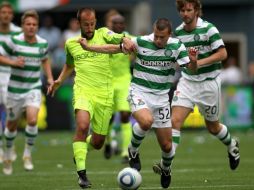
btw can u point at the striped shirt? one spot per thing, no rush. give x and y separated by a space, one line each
24 79
4 69
154 67
206 38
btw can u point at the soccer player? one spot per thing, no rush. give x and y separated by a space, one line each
156 59
24 88
93 90
121 82
7 29
201 88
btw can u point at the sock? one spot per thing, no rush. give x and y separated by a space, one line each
176 135
224 135
126 137
10 137
138 135
31 133
166 159
88 142
80 152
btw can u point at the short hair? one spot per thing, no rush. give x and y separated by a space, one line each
196 4
110 13
84 9
6 4
29 13
162 24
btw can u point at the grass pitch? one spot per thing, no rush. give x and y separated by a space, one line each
201 163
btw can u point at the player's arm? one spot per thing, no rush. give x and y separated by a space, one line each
107 48
47 70
18 62
193 59
219 55
66 71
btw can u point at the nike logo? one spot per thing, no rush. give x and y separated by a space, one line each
145 51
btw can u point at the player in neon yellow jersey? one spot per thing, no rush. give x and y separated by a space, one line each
93 91
121 82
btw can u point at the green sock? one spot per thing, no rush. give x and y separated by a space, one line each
80 152
126 137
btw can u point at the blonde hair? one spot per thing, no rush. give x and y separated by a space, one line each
29 13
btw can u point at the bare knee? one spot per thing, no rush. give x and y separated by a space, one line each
97 141
146 123
166 146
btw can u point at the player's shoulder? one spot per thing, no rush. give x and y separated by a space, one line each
72 40
103 30
41 40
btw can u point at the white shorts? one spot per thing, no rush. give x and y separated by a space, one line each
3 94
15 107
205 94
157 104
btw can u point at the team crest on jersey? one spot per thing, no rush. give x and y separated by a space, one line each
42 50
168 52
196 37
110 32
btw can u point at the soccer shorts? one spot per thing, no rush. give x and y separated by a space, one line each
157 104
100 114
15 107
205 94
3 94
121 91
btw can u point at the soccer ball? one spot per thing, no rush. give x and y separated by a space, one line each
129 179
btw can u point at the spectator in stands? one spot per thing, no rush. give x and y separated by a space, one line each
73 30
231 74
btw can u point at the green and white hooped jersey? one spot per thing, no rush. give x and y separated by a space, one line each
24 79
154 68
4 69
206 38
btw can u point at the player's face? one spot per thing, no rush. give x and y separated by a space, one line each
87 24
188 13
118 26
30 27
161 37
6 15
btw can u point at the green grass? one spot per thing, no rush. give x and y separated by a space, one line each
201 163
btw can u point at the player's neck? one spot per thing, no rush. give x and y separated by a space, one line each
30 39
191 26
4 28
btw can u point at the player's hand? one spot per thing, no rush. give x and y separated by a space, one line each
19 62
53 87
193 54
128 45
83 43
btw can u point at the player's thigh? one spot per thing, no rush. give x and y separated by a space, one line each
101 118
120 97
32 105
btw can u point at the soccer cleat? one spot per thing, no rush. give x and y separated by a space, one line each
107 151
165 175
7 167
28 165
82 180
234 155
134 160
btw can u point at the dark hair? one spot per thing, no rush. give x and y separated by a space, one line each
196 4
84 9
162 23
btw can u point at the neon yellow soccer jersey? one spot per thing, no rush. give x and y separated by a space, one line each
93 70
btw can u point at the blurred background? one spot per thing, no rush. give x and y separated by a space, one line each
233 18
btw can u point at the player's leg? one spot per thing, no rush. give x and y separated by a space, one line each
181 105
80 146
31 132
164 137
108 150
2 110
210 108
